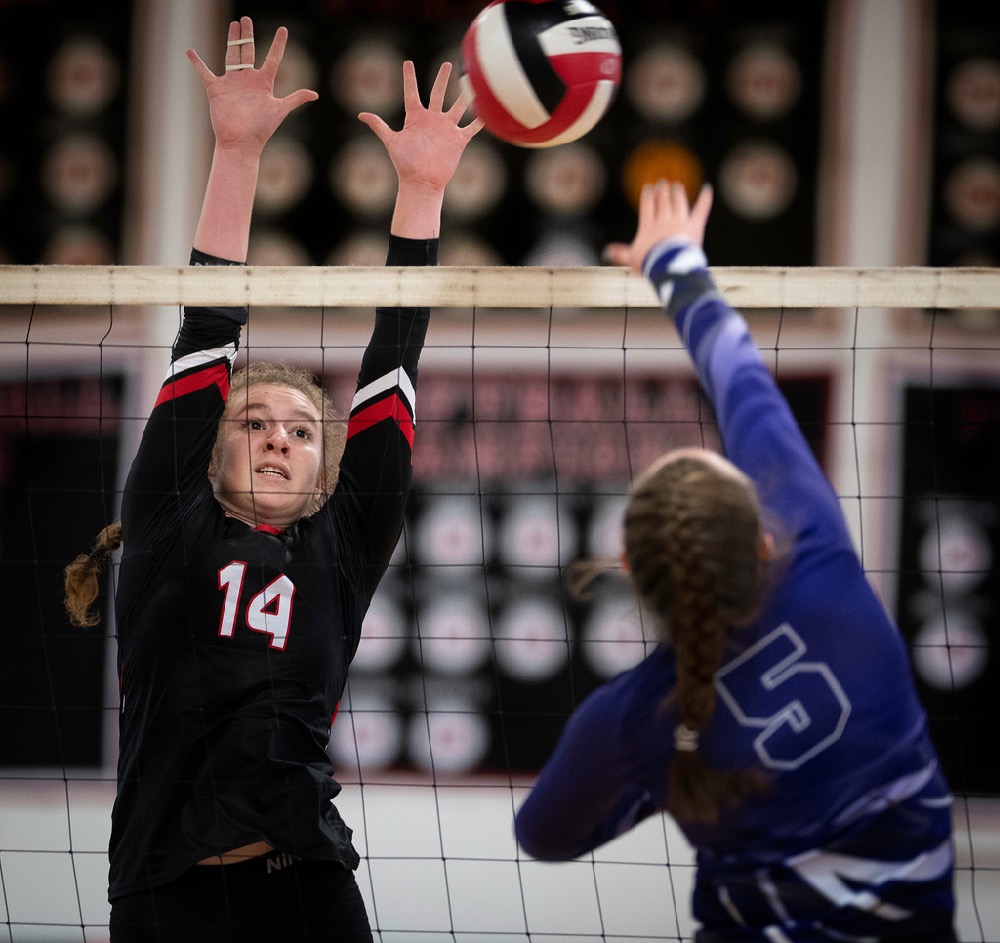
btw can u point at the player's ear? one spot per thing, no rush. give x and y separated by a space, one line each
213 463
215 459
320 489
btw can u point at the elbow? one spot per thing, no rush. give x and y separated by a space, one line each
538 842
538 849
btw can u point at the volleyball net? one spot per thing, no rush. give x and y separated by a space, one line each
542 392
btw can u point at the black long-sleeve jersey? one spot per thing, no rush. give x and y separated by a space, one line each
234 642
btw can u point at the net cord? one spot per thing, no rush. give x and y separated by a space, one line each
490 287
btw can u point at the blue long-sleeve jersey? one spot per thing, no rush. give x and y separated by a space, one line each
852 841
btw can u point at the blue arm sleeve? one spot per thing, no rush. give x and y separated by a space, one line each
583 797
759 433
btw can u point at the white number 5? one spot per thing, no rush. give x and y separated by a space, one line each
799 705
270 611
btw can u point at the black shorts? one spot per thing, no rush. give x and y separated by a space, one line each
271 898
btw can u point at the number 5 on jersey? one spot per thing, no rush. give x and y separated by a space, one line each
798 704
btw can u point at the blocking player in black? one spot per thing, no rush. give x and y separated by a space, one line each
249 557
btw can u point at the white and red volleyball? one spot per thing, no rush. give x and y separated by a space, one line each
540 72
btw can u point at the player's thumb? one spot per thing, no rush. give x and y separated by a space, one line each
303 95
617 253
381 129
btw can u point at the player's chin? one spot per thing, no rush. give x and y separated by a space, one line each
285 504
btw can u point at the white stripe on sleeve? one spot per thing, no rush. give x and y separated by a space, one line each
385 383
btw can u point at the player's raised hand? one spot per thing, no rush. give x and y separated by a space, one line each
427 150
664 213
241 101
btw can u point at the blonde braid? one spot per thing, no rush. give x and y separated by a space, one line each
81 582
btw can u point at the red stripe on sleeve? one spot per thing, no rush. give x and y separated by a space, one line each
392 407
174 389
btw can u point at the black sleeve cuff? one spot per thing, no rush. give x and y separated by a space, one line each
203 258
238 314
403 251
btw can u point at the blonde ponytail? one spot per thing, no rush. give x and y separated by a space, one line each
81 577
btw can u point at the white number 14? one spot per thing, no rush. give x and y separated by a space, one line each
269 612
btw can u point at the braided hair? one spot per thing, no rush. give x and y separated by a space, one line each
693 532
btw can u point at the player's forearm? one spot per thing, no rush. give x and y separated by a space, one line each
224 224
715 335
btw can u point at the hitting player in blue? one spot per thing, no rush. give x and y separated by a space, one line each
777 721
252 542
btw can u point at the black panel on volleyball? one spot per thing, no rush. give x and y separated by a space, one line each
526 21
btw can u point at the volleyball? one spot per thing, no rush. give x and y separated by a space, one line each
540 72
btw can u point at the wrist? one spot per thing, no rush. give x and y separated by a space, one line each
675 255
238 153
417 213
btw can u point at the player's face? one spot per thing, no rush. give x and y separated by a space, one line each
268 460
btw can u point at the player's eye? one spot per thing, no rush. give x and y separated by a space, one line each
254 425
